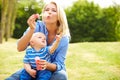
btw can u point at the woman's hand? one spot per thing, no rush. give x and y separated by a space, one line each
42 64
31 20
46 65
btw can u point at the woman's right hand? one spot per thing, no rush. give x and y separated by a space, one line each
31 20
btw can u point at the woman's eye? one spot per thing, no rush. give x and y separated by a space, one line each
39 37
54 10
46 9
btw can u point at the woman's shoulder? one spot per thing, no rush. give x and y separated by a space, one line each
65 40
39 22
40 27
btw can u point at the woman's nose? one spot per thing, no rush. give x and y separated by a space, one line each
49 11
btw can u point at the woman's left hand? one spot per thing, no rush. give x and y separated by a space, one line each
42 64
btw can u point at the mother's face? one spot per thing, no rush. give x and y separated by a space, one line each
50 14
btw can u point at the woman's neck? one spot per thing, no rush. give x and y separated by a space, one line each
52 30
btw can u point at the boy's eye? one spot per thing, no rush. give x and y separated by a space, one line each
39 37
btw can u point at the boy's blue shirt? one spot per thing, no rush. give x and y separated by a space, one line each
31 53
59 56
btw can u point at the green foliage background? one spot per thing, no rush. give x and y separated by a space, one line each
25 10
87 21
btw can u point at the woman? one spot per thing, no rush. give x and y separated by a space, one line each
54 20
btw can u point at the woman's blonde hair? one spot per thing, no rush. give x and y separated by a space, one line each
62 20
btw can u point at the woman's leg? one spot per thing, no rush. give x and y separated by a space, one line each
59 75
15 76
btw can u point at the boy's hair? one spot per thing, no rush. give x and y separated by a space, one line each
36 33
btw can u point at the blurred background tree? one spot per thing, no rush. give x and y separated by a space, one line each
14 15
25 9
8 10
87 21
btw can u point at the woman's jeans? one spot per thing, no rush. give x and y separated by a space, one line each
57 75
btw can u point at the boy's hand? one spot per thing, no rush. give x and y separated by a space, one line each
59 36
32 72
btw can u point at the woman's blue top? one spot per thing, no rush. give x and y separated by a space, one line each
59 56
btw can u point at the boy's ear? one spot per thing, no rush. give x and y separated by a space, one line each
31 42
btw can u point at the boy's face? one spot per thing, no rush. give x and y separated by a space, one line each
38 39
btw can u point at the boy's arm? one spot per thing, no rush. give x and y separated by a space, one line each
55 44
27 67
31 71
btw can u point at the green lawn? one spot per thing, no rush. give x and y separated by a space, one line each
85 61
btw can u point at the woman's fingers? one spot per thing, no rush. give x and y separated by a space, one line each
31 21
43 67
43 64
37 16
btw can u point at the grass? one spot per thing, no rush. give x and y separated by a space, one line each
94 61
10 58
85 61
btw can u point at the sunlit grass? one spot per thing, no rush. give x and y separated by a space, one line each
10 58
94 61
85 61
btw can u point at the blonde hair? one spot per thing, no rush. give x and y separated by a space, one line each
62 20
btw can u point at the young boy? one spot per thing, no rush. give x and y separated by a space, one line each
39 49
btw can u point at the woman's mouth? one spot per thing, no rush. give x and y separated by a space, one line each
48 17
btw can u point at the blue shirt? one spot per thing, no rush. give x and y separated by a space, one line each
31 53
59 56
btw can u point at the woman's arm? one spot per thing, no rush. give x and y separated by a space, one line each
24 40
59 56
51 66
